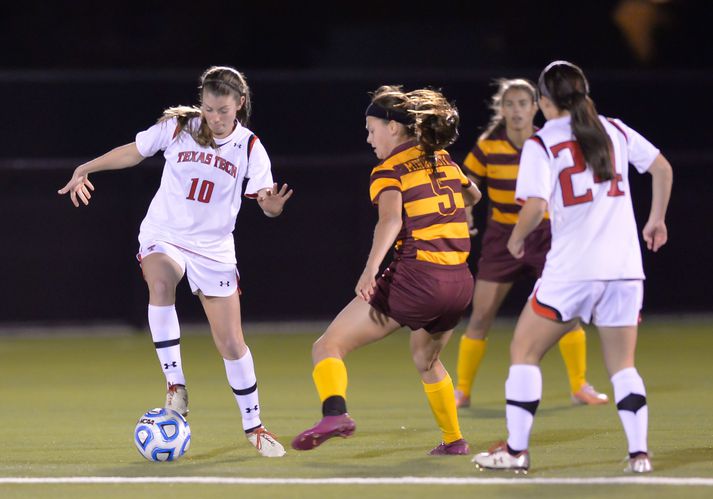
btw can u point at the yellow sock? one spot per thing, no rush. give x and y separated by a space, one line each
330 378
573 347
470 355
443 404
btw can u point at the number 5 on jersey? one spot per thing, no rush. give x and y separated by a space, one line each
204 193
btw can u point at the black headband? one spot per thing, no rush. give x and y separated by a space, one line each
377 111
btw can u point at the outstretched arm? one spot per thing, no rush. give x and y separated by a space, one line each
531 214
79 185
387 228
655 232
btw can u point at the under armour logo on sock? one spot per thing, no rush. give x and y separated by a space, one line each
172 364
227 283
251 409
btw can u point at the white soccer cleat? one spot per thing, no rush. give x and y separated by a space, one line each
461 399
177 399
498 458
265 443
587 395
639 464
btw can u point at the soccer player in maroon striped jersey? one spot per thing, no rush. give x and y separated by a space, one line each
421 195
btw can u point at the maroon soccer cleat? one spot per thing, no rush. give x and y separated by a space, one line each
330 426
457 448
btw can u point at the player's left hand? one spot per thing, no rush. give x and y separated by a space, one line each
272 201
655 234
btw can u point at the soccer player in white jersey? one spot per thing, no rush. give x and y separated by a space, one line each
576 167
189 227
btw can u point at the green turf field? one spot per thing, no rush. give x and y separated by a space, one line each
68 405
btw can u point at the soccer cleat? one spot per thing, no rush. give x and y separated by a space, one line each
639 464
457 448
177 399
461 399
587 395
498 458
330 426
265 442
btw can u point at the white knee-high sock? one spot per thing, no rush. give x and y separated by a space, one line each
630 396
166 335
242 379
523 391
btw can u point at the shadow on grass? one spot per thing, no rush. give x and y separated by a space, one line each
681 457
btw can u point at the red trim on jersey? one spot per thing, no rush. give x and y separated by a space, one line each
176 131
539 140
520 201
618 128
251 196
545 310
251 143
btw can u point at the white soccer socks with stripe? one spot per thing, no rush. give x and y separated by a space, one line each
242 380
166 335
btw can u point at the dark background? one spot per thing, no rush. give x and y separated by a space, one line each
81 78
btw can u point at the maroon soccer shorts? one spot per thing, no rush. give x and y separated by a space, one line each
496 264
424 295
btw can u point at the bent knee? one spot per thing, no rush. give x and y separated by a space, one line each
161 289
326 347
424 362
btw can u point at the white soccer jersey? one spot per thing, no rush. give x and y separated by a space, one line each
199 197
594 234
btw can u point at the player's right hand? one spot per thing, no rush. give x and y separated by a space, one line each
78 186
516 247
366 285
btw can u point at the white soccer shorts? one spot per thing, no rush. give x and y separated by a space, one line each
603 303
210 277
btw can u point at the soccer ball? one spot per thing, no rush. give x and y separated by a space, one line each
162 435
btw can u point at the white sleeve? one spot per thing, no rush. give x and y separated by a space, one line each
157 138
533 176
259 174
641 152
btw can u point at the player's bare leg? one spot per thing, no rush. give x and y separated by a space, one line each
437 383
618 347
162 275
225 324
534 336
358 324
487 298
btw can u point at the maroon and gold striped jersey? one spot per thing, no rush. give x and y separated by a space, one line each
494 162
434 225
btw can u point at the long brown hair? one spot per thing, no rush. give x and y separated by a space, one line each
497 120
567 87
432 120
219 81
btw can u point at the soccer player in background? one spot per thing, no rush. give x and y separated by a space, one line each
421 195
189 229
493 162
577 167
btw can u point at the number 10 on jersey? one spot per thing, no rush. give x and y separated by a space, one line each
204 193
